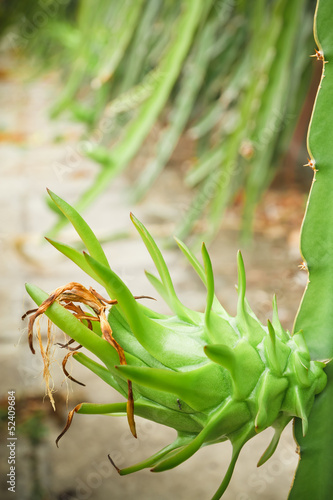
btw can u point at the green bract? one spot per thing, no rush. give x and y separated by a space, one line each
209 375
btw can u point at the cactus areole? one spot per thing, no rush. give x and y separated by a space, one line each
210 376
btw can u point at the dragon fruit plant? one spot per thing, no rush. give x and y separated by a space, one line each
210 376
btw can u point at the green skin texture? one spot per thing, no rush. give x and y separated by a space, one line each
210 376
314 478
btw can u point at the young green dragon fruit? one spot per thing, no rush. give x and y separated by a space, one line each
210 376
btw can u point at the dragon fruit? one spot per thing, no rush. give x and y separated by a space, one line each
210 376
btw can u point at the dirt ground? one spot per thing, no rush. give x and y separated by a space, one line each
31 146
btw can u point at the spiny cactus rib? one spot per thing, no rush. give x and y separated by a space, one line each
314 477
208 375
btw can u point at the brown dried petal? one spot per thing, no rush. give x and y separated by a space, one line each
107 335
69 421
67 296
66 346
42 309
130 409
64 361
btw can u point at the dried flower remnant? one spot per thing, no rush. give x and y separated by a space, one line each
47 358
67 296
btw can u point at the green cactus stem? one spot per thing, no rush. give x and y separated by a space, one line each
210 376
314 477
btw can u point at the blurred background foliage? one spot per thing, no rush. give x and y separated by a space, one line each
230 75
